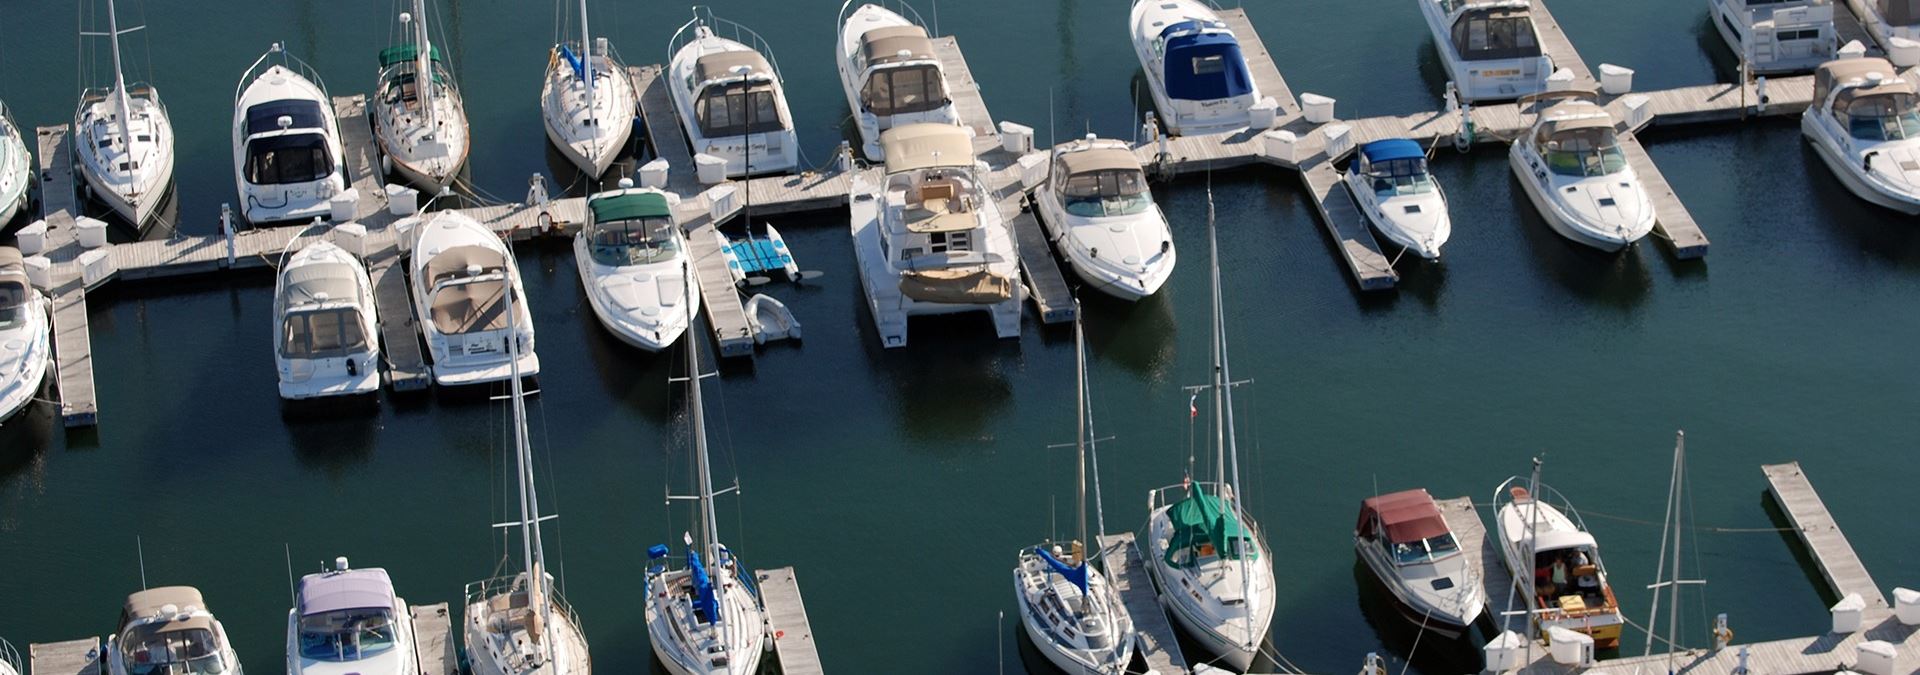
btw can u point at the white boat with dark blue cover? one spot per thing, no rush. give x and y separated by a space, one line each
587 101
470 302
1865 124
1405 541
1101 216
26 337
730 98
1198 77
123 140
889 73
1572 168
349 622
16 167
1777 36
1390 182
326 342
286 142
634 264
1490 48
170 630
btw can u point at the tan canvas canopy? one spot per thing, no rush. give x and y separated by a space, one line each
1835 73
13 268
721 64
454 262
884 45
470 307
926 145
956 286
308 283
149 602
1567 115
1099 159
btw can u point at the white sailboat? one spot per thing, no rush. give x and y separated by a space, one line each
587 101
26 336
16 167
703 616
123 140
422 129
730 97
1066 604
1205 555
349 622
519 624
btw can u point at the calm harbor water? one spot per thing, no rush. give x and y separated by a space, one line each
901 483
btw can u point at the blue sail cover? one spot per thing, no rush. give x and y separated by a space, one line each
1076 575
704 602
1204 66
579 67
1392 149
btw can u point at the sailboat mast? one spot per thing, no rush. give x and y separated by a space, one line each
1673 595
586 69
1223 397
1219 365
531 551
1093 456
709 534
120 97
1080 440
423 63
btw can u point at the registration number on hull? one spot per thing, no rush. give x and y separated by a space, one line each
1503 72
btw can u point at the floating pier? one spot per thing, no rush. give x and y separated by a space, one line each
1839 565
433 640
72 339
1154 639
1476 543
787 619
72 657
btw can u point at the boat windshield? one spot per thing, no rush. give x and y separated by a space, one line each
1588 151
322 333
638 241
1495 33
904 90
1883 117
1108 192
13 304
176 651
737 109
1426 550
293 158
1400 177
347 635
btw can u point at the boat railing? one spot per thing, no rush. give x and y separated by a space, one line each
703 16
285 59
480 591
10 656
896 6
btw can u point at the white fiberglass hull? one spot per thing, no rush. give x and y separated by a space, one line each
741 634
1183 117
890 307
1204 624
589 134
1802 55
25 354
133 194
649 326
1484 79
1135 278
1565 224
1851 174
1071 652
16 171
293 201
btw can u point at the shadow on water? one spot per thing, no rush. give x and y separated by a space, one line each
1423 280
334 444
950 381
1433 70
26 437
1426 651
1137 336
1720 55
1617 280
1801 556
1875 231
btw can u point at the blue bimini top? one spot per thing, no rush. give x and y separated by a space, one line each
1392 149
1204 66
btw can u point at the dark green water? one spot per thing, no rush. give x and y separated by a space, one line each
901 483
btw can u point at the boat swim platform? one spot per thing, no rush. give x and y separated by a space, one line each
433 640
1155 643
787 621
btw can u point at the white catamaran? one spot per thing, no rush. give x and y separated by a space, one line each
418 116
123 141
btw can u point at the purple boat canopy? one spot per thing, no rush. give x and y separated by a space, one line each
351 589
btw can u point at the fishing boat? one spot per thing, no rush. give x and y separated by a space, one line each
587 101
1555 562
26 337
1392 186
1208 563
1409 547
1490 48
703 615
465 287
421 129
286 142
635 267
1101 216
929 237
9 659
1068 607
1865 124
349 621
890 74
1776 36
729 97
123 140
326 342
771 320
519 624
1572 168
1195 71
170 630
16 167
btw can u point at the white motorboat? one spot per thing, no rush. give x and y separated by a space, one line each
123 140
1407 544
327 337
1572 168
1490 48
1865 124
1890 20
930 239
10 659
26 337
1208 562
170 630
704 615
1101 217
771 320
587 101
519 624
729 97
349 622
16 167
1555 562
286 142
422 130
1390 183
1195 71
635 267
1068 607
889 73
465 281
1776 36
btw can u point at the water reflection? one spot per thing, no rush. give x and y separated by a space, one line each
950 383
26 437
1429 652
1879 232
1138 336
332 437
1618 280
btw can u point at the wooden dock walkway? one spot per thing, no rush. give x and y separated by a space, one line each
1839 565
362 156
1672 220
72 657
1554 42
1352 236
72 337
1476 543
787 618
433 640
406 361
965 92
1155 642
1266 74
1046 285
664 135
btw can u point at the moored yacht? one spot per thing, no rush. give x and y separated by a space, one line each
123 141
169 630
1390 182
1101 216
349 622
286 142
1889 19
930 239
16 167
1407 544
1865 124
465 284
1572 168
1555 562
587 101
890 74
418 116
1776 36
1490 48
1195 71
634 264
729 97
326 340
26 337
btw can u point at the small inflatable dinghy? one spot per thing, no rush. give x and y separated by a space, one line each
771 320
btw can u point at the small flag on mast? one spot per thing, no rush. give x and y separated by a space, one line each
1193 409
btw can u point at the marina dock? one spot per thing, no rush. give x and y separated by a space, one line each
1154 640
73 341
433 640
72 657
787 619
1476 543
1834 555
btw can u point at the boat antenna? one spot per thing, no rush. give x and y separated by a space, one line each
287 549
140 549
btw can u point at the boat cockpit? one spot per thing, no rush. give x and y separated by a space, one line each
286 143
1492 32
902 76
637 241
1580 147
1568 579
1100 183
469 290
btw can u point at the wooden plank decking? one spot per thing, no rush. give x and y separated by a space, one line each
719 297
787 618
72 339
1046 286
1477 544
664 135
1841 567
406 362
433 640
1554 41
72 657
1154 641
1266 75
362 156
1673 222
1371 268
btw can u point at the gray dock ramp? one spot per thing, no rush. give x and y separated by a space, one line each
406 362
433 639
1046 285
787 618
1266 74
362 156
1154 639
1671 219
1371 267
72 337
1838 563
72 657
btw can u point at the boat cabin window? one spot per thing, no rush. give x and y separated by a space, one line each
162 651
13 304
1400 177
633 242
470 306
1107 192
1887 116
322 333
1495 34
1422 551
1586 151
737 109
294 158
347 635
904 90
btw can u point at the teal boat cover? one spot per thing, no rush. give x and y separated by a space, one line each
405 53
1203 524
629 206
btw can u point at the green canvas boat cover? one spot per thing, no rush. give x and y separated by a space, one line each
1203 520
629 206
405 53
